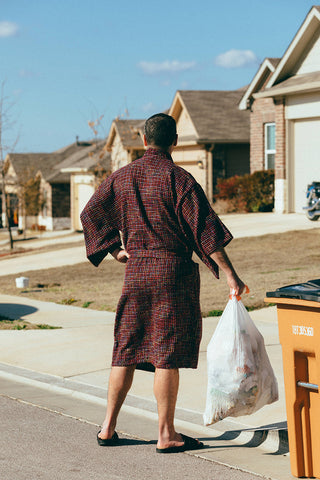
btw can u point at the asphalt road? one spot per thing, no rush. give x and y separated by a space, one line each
36 443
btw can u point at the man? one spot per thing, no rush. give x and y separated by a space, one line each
163 216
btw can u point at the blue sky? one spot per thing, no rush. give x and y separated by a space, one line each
66 62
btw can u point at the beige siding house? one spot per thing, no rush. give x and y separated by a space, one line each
54 188
125 142
284 100
86 168
73 168
213 135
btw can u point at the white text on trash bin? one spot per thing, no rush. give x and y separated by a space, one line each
301 330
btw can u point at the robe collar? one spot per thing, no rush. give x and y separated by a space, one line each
156 152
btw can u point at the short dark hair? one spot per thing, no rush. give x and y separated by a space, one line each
160 130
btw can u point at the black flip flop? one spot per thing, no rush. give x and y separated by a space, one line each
189 444
108 442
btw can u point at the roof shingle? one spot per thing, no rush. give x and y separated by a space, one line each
216 116
50 164
130 132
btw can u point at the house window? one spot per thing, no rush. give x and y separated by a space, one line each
269 145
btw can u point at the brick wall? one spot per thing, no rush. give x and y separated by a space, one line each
280 163
263 111
266 110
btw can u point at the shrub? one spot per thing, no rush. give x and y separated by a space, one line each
250 193
228 187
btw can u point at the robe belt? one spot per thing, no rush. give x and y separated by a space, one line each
159 254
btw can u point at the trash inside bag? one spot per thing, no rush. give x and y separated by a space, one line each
240 377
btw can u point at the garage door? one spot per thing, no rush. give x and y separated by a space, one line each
84 193
306 158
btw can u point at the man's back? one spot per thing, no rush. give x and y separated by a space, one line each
148 193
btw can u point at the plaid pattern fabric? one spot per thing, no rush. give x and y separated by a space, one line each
158 317
163 216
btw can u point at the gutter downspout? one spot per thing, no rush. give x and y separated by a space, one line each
209 171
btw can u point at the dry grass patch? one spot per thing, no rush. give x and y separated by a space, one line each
264 263
7 324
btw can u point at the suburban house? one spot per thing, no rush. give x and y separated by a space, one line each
213 135
284 103
125 142
55 202
54 185
86 169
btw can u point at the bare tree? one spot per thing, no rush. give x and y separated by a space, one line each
30 195
99 153
6 124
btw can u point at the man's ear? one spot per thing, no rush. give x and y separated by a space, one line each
176 141
145 141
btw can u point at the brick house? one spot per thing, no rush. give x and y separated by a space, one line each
284 101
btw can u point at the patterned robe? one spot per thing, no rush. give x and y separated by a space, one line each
163 216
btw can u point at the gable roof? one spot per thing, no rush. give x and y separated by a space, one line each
214 115
297 47
87 158
266 69
307 82
281 76
129 131
49 164
29 164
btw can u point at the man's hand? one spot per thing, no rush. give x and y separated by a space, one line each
236 285
120 255
222 260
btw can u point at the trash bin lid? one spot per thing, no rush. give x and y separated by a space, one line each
304 291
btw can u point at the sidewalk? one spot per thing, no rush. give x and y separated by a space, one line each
33 260
256 224
39 239
76 360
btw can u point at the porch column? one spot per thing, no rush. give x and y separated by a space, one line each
3 208
209 172
280 196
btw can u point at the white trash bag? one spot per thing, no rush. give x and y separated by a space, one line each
240 377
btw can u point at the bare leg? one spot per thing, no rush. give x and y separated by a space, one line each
120 382
166 385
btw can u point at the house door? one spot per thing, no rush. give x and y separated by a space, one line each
306 154
84 193
218 165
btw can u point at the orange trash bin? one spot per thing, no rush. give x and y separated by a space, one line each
298 309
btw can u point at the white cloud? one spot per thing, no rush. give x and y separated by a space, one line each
26 74
148 107
236 59
168 66
8 29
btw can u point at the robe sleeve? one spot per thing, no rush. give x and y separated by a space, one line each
98 220
203 226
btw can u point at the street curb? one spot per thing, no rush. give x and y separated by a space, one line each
270 439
